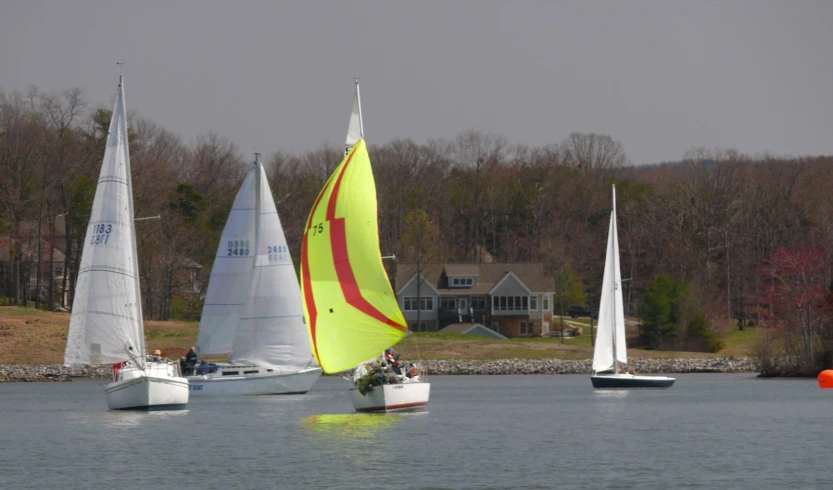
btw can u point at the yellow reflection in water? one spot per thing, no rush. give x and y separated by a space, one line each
350 426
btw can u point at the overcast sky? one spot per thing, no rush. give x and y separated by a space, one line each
659 76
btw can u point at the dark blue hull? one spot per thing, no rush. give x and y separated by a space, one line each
612 381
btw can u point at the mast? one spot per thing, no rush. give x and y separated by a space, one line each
256 248
359 101
138 300
614 284
355 130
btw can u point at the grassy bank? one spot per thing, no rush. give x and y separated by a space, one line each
29 336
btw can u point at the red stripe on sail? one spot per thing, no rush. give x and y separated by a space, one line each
346 277
310 299
331 206
314 207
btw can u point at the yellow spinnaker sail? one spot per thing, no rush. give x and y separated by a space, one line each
351 311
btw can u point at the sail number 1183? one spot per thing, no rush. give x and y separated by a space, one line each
101 234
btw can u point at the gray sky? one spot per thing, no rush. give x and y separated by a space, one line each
659 76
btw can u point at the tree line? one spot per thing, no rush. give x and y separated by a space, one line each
718 221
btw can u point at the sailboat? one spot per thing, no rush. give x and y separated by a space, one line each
611 353
351 311
253 311
106 324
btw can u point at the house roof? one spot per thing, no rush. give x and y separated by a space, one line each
488 274
28 250
468 270
470 329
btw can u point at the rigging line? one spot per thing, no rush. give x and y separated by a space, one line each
416 346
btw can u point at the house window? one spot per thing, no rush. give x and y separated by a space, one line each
447 303
545 302
533 302
478 303
425 303
462 282
418 327
511 303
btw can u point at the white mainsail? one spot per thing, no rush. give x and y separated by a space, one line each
271 331
355 130
106 322
610 338
230 276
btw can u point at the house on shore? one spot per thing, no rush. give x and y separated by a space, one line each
512 299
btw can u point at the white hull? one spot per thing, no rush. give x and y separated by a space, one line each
391 398
218 384
157 388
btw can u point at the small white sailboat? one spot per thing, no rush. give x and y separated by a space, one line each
106 324
253 311
351 310
611 352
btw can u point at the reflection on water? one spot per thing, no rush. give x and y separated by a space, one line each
352 426
610 394
122 419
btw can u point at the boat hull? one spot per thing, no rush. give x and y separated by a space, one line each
216 384
147 392
392 398
624 381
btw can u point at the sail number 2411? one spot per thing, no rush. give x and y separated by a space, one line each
101 234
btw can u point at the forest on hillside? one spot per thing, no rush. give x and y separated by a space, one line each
750 238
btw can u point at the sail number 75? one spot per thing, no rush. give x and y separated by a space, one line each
316 229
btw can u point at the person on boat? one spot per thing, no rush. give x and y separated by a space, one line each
393 360
116 368
191 357
157 355
412 371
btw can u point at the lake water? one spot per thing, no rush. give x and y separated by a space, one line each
495 432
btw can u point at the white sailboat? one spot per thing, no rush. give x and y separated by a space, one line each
106 324
351 310
611 352
253 311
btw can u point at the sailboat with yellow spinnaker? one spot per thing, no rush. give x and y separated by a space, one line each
351 310
349 304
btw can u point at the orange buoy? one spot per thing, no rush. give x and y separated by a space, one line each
826 378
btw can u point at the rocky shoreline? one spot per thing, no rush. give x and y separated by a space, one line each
57 372
561 366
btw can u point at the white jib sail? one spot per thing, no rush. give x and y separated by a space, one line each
355 130
106 321
230 275
271 331
610 338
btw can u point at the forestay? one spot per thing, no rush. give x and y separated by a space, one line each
271 331
610 339
230 275
351 311
106 321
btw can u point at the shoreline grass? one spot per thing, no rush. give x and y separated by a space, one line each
29 336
